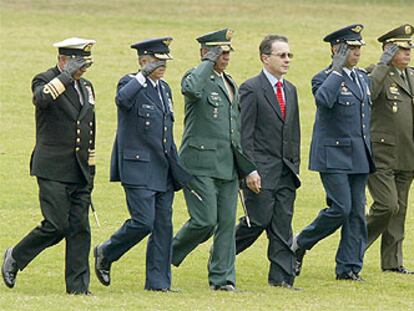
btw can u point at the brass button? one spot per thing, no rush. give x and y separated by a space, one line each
164 140
91 132
365 136
137 156
165 129
202 147
90 123
147 114
78 140
147 123
382 140
78 131
363 115
363 125
77 149
78 122
90 142
337 142
347 103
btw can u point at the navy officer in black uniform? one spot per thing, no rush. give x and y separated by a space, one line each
63 160
341 153
144 160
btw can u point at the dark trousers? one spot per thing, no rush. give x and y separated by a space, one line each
389 190
346 200
151 214
271 211
65 210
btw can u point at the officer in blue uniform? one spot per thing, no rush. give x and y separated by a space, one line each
341 153
144 160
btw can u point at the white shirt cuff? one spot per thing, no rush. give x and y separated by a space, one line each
140 78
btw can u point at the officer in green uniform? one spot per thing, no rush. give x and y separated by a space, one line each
211 151
392 135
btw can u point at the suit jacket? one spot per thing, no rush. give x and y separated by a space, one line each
65 129
144 153
268 140
392 121
211 140
341 138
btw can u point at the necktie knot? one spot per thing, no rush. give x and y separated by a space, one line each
279 84
353 77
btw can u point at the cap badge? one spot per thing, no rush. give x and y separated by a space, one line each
229 34
167 42
408 30
357 29
87 48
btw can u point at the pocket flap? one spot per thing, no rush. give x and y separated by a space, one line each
383 138
136 155
203 143
338 142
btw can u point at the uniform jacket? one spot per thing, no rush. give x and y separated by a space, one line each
341 138
211 141
65 130
267 139
392 121
144 153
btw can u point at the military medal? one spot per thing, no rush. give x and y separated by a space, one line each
394 89
91 99
395 108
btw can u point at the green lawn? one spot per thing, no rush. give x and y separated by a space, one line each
28 29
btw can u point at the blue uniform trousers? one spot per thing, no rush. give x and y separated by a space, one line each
346 200
151 214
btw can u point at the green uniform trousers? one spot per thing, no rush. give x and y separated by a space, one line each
215 214
389 189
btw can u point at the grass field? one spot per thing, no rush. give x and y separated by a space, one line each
28 28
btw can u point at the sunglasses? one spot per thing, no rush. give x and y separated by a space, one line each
282 55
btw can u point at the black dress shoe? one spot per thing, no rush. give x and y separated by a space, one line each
9 268
102 267
401 270
350 276
225 288
285 285
165 290
299 254
84 293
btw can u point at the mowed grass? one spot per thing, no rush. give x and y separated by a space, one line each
28 29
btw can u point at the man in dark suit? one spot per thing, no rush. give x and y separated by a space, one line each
144 160
63 161
341 153
392 131
270 136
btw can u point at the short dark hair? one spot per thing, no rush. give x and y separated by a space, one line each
266 44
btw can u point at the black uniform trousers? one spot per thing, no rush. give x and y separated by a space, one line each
271 211
151 214
65 208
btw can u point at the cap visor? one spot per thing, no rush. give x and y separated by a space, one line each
163 56
355 42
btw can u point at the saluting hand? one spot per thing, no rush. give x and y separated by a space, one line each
388 54
254 182
340 56
213 53
74 64
148 68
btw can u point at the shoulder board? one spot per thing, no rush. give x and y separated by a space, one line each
361 69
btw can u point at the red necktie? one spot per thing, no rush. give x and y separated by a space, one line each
279 95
